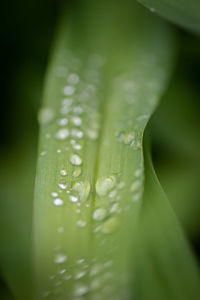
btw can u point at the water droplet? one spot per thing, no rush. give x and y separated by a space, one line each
80 261
77 110
60 229
77 172
62 134
120 136
114 208
77 133
60 258
54 194
76 121
75 160
77 147
46 294
152 9
83 189
63 122
81 223
105 185
67 102
113 194
92 134
136 145
69 90
135 185
80 275
95 284
67 277
63 186
43 153
73 198
129 137
47 135
45 115
95 269
73 78
80 290
136 197
138 172
63 172
108 264
121 185
58 202
62 271
110 225
99 214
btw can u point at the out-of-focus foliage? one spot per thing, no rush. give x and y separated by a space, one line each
175 132
181 12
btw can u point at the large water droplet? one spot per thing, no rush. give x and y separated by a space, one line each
60 258
99 214
73 78
58 202
105 184
62 134
110 225
54 194
76 121
45 115
77 172
76 160
69 90
83 189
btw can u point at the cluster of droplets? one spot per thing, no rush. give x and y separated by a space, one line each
79 106
78 118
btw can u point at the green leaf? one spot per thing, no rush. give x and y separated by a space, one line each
17 186
165 266
176 138
182 12
108 70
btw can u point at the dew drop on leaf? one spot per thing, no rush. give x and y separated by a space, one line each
110 225
75 159
60 258
99 214
58 202
62 134
45 115
105 185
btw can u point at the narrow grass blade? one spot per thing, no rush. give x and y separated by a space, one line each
108 71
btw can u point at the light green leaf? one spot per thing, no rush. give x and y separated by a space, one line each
108 70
